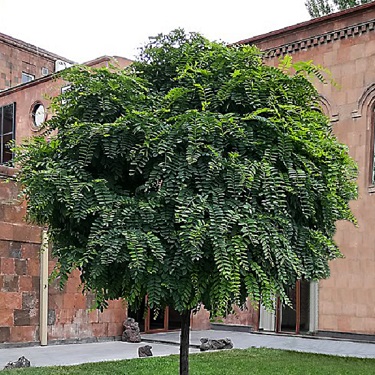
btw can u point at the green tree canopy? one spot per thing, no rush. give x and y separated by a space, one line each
197 175
319 8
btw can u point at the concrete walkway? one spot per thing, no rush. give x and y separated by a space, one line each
72 354
167 343
243 340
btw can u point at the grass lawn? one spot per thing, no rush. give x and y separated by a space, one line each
231 362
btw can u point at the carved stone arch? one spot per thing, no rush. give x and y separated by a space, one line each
328 109
365 109
366 102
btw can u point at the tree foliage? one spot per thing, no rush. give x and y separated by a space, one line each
197 175
319 8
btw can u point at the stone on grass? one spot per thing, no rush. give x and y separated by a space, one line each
21 362
208 344
145 351
131 331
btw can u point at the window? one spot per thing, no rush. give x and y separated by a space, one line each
38 115
26 77
7 131
64 89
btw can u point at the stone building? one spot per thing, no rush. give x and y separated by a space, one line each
22 62
344 304
31 310
343 42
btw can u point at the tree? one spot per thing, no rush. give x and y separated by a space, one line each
319 8
197 176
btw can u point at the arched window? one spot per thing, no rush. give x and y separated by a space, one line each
366 110
372 155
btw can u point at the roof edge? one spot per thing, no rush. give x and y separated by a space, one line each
312 22
55 75
32 48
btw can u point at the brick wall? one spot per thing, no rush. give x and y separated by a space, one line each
17 56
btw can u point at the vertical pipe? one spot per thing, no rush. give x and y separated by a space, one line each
313 307
43 289
298 306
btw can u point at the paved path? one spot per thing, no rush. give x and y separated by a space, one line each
72 354
166 344
244 340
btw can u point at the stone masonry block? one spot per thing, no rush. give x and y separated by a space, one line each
33 267
21 317
51 319
4 249
79 301
68 301
6 317
4 334
10 283
35 283
20 266
15 249
24 334
30 251
100 329
10 300
7 266
30 300
115 329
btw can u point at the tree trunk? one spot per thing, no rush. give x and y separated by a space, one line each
184 343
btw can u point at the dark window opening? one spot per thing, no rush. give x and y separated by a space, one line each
7 132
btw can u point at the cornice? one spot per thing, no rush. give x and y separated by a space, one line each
17 43
321 39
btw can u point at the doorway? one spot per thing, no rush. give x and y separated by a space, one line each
152 320
295 318
300 317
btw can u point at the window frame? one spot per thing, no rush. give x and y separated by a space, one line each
30 77
2 134
371 157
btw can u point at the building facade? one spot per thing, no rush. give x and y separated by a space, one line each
22 62
344 43
31 310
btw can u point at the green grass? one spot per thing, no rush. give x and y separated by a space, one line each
231 362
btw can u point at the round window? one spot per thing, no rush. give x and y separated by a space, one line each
38 115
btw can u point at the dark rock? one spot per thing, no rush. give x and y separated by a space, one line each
145 351
21 362
208 344
131 331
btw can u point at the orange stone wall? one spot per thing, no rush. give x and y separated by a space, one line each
345 44
70 317
69 312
